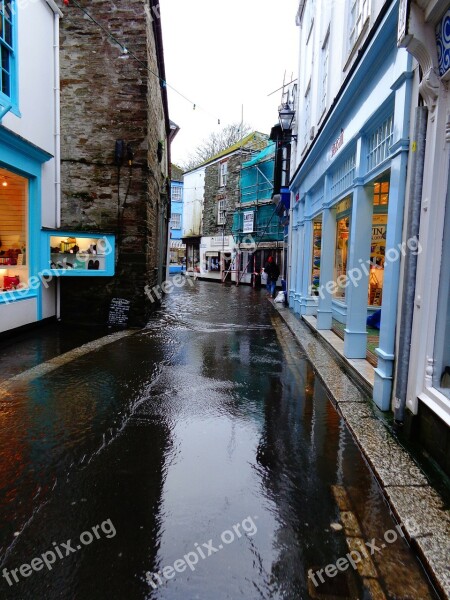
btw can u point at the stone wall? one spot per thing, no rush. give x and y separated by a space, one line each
107 95
214 193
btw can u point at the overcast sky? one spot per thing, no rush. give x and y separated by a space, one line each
221 55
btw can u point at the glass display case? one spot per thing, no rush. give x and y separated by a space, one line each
69 253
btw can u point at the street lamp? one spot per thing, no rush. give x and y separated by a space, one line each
286 116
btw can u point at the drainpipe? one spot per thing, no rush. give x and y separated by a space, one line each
57 143
57 121
409 292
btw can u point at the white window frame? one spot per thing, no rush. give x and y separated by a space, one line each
221 217
175 223
177 194
359 12
307 114
223 173
324 67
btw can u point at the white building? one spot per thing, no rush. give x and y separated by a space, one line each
194 187
369 224
349 180
29 157
423 389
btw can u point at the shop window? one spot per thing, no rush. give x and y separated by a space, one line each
82 253
317 251
378 243
212 262
343 211
13 231
377 254
381 193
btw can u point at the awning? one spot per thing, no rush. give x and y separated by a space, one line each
215 254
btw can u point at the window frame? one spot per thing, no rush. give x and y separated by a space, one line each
357 20
324 68
10 101
178 224
221 220
307 114
223 173
178 197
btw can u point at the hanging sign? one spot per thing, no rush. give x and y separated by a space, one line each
249 219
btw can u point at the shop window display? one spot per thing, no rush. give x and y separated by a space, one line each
343 210
317 250
377 257
78 253
13 231
378 243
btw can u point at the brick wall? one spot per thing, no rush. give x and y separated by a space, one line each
107 96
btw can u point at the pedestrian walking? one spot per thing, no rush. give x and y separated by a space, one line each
273 272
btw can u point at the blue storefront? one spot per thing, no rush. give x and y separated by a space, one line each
348 198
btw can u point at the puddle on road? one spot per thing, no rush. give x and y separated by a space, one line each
203 441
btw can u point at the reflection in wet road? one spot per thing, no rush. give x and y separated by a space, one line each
208 455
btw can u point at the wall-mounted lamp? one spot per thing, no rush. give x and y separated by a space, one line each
286 116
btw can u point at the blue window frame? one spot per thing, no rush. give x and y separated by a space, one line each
8 41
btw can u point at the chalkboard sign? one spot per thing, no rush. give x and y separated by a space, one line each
118 312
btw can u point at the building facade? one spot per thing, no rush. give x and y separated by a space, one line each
29 159
422 394
212 193
176 247
115 147
348 186
257 230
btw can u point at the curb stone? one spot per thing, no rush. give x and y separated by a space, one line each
415 503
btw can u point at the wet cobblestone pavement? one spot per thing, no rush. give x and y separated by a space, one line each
199 458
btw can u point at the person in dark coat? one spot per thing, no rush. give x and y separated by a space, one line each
273 272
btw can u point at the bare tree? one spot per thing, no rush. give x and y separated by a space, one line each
216 142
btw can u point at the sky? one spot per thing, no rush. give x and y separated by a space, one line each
222 55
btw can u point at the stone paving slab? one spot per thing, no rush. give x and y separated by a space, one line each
418 507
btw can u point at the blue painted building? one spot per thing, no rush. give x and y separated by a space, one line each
176 247
256 229
348 191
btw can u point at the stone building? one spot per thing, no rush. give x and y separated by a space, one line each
115 138
221 195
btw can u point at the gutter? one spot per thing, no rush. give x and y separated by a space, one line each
361 52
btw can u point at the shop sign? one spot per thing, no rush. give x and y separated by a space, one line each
443 43
219 241
337 144
249 219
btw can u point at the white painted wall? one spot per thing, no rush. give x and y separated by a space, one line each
194 189
17 314
36 97
317 19
37 124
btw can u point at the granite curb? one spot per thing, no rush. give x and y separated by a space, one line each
414 502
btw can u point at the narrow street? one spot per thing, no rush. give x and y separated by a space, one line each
208 456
